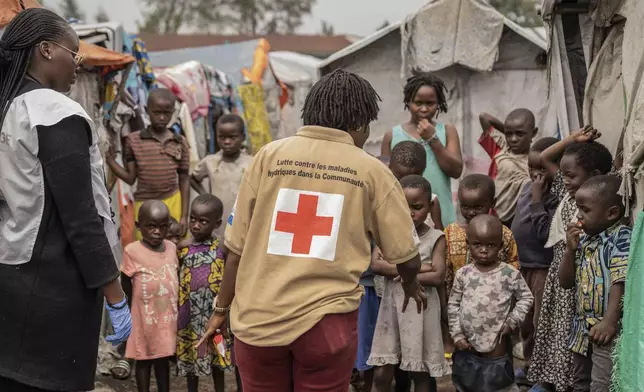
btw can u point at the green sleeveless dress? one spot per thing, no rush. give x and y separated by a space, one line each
441 183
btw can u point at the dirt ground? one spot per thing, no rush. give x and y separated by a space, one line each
108 384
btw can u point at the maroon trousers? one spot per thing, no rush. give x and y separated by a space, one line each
320 360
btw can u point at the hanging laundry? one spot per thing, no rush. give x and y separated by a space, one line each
257 124
189 83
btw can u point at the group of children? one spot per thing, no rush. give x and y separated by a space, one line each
541 254
540 258
173 278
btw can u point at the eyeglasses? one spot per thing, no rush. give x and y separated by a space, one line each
78 57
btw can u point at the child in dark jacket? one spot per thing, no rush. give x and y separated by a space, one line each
534 211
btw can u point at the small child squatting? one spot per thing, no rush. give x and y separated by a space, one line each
594 264
481 317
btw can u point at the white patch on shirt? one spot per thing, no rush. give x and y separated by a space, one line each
305 224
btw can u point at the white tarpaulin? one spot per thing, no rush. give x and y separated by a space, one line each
518 79
448 32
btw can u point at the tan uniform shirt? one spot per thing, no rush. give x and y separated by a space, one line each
301 223
224 177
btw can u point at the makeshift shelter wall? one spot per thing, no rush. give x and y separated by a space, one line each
380 64
298 72
518 79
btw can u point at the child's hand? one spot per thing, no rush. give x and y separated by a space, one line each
572 236
539 188
602 333
586 134
426 129
463 345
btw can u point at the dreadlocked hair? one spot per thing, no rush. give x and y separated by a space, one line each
420 79
341 100
29 28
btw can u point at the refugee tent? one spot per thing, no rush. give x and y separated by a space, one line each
299 72
488 63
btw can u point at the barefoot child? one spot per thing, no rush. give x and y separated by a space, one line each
594 265
580 158
202 266
425 96
158 161
535 208
151 264
481 316
224 169
408 340
508 145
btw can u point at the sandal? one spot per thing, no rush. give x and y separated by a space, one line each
122 370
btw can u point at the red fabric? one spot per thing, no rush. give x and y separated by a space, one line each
320 360
489 145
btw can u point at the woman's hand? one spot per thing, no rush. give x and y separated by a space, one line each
426 129
215 324
414 290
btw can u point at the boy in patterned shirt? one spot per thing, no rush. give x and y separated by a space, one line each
594 264
481 315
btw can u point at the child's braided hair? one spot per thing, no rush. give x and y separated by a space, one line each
420 79
341 100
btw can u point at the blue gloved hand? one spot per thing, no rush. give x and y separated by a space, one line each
121 321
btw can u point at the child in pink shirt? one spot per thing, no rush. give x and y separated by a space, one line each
152 266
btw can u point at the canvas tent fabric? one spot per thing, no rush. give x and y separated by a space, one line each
448 32
299 72
518 79
94 55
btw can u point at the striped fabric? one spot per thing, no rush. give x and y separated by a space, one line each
158 164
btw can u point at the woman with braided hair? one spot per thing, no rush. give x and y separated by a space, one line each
425 96
299 240
57 239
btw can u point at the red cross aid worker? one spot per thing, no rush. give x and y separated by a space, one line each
299 240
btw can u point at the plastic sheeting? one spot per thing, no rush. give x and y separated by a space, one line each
628 374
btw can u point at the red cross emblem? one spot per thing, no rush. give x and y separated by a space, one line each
304 224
